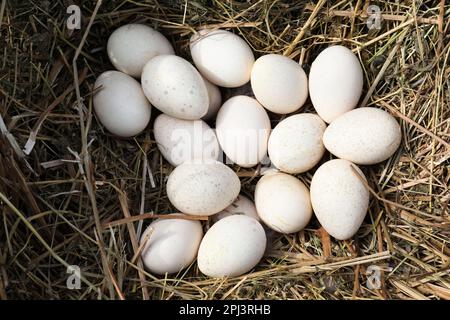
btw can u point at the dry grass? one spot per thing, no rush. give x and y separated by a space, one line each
57 201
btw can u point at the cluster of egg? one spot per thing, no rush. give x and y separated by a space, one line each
188 97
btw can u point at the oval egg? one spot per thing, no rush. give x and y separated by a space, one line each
170 245
120 104
242 205
231 247
364 136
222 57
184 140
295 144
131 46
215 100
202 188
175 87
335 82
279 83
243 129
339 198
282 202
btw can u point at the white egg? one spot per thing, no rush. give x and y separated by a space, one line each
120 104
363 136
335 82
215 100
202 188
339 198
282 202
170 245
231 247
222 57
242 205
243 128
279 83
175 87
183 140
131 46
295 144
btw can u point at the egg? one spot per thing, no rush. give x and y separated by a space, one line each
215 100
170 245
363 136
295 144
120 104
231 247
183 140
339 198
279 83
242 205
243 129
222 57
335 82
175 87
131 46
282 202
202 188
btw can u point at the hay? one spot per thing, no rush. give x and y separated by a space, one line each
57 201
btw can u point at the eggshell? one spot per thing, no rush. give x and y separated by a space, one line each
335 82
175 87
120 104
242 205
171 245
202 188
279 83
282 202
363 136
339 198
231 247
131 46
222 57
295 144
243 128
215 100
184 140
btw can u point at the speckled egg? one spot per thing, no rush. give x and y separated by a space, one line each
363 136
183 140
279 83
120 104
175 87
282 202
243 129
295 144
339 198
242 205
335 82
170 245
231 247
222 57
202 188
131 46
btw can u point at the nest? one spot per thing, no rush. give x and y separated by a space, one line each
71 193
